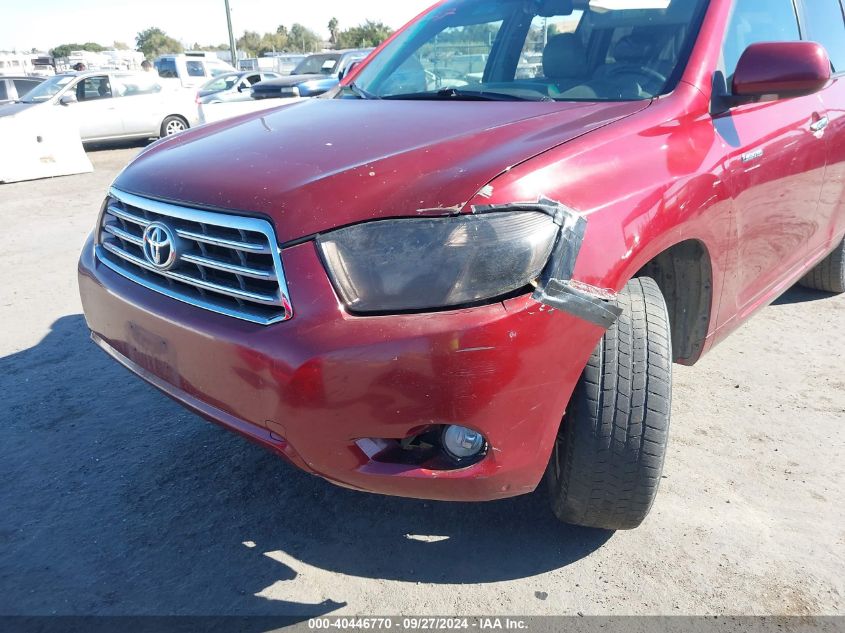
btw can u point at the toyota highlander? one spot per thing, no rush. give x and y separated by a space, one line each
472 265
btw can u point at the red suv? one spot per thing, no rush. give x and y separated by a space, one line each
475 261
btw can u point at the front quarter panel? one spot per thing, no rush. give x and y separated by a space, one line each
645 184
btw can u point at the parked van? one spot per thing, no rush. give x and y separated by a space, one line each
191 69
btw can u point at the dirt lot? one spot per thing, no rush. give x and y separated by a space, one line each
113 500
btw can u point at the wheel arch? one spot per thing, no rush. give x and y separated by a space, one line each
684 274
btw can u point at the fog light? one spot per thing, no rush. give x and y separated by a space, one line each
462 443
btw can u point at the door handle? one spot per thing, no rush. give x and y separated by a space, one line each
821 124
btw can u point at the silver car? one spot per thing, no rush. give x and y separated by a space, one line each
14 88
232 86
113 105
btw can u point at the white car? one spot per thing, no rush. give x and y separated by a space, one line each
192 70
113 105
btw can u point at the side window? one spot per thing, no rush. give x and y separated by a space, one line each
195 69
134 85
756 21
253 79
3 93
93 88
23 86
167 69
825 24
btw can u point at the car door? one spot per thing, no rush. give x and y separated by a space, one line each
96 109
195 73
775 166
139 100
243 91
824 22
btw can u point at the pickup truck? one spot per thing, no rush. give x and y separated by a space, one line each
454 287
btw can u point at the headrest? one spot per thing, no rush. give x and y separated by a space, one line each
639 45
565 57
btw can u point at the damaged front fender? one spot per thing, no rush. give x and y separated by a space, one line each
556 288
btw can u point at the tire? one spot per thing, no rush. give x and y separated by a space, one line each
829 274
173 125
608 459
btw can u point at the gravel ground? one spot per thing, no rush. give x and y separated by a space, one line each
113 500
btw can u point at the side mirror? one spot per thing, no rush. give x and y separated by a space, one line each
780 70
348 70
68 99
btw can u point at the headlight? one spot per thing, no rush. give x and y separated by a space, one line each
429 263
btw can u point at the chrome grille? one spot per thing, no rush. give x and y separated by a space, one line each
226 263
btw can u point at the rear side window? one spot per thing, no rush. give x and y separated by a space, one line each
3 94
825 24
756 21
135 85
167 69
24 85
195 69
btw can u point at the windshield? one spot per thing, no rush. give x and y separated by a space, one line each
48 89
566 50
224 82
317 65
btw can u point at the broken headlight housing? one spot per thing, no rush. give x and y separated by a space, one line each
417 264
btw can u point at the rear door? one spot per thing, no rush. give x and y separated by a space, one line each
139 100
96 110
824 22
195 73
775 166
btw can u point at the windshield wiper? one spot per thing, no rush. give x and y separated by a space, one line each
360 92
471 95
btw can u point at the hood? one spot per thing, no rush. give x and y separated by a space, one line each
323 163
290 80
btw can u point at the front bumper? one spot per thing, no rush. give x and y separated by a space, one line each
312 388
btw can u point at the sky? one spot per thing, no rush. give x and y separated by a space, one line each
43 24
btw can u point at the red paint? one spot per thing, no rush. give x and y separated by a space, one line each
782 68
647 175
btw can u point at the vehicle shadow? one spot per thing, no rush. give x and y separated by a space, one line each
121 502
112 145
800 294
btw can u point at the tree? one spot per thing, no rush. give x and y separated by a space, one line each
334 30
154 42
364 35
121 46
196 46
303 39
64 50
272 43
249 43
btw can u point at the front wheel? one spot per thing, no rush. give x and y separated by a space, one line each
608 457
173 125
